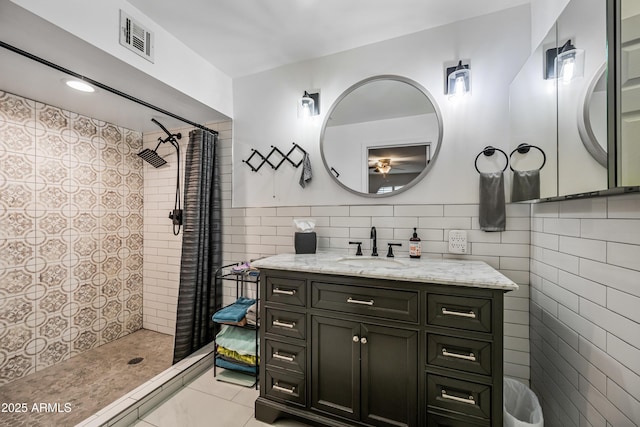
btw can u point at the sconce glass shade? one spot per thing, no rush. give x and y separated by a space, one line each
569 63
564 63
458 80
309 105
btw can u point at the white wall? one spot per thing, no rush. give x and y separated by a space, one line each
543 15
97 22
265 109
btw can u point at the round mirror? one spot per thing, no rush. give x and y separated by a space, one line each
381 136
592 117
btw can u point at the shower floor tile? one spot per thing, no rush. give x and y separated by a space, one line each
86 382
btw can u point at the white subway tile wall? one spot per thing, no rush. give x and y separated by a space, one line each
163 250
585 326
257 232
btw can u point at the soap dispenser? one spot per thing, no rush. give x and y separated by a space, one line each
414 245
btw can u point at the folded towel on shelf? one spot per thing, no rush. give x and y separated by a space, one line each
234 356
306 174
234 361
492 215
220 362
525 185
235 312
252 315
240 340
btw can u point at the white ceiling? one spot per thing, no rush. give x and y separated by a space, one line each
243 37
239 37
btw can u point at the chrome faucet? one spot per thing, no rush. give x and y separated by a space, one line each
374 237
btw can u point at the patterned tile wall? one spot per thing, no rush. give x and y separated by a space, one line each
71 206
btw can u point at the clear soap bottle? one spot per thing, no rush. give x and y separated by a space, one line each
414 245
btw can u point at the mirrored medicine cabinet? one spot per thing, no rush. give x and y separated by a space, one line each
588 126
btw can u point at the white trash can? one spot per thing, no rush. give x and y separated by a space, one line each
520 405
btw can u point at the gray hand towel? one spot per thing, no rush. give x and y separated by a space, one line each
492 209
526 185
306 174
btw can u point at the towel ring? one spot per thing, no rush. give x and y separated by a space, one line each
524 149
490 151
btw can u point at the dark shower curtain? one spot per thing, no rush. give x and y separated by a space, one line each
200 293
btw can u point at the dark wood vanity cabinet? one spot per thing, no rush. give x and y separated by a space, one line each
343 350
351 376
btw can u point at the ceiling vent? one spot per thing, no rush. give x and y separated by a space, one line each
136 37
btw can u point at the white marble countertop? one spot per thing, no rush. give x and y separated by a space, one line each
427 270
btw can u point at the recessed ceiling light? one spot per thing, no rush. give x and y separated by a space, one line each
79 85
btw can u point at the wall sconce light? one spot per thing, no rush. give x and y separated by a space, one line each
458 80
309 105
564 63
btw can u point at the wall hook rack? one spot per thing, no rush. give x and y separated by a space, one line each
275 151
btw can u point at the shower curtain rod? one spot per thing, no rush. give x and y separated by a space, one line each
102 86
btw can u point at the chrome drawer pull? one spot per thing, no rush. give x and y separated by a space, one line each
470 357
287 358
357 301
470 315
468 401
284 291
284 324
287 390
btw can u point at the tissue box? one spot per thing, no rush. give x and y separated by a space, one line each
305 243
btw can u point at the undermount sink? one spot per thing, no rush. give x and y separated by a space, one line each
370 262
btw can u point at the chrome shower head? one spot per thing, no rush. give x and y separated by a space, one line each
151 157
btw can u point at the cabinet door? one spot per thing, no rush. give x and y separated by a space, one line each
335 366
389 370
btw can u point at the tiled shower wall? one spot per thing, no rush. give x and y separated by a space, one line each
258 232
163 250
585 317
70 234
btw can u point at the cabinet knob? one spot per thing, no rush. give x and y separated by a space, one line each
355 338
363 340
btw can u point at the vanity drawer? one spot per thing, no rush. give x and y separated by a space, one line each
436 420
394 304
472 314
285 323
461 354
285 356
286 291
460 396
282 386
